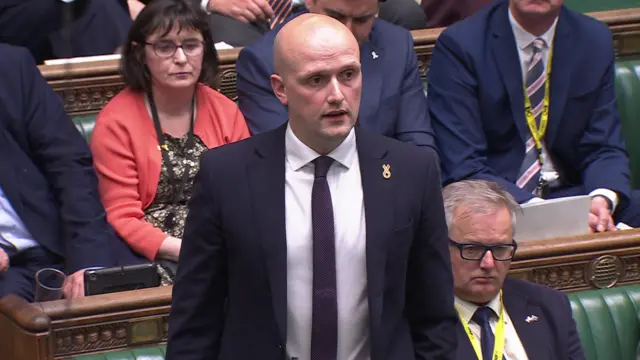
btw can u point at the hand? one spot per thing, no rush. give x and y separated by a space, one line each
4 261
243 10
135 6
74 285
170 249
600 217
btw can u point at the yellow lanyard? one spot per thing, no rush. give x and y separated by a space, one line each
538 132
498 348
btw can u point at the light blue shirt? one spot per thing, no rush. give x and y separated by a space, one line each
13 232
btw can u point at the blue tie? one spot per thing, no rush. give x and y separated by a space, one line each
482 317
324 316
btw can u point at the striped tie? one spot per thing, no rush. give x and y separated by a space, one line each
529 174
281 9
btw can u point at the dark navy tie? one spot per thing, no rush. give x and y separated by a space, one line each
482 317
324 318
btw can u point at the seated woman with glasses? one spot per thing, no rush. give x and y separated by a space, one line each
148 140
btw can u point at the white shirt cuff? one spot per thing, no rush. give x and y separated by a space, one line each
534 200
609 194
204 4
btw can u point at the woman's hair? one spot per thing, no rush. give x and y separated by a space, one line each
164 16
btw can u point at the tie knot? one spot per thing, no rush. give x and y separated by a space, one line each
483 315
538 45
322 164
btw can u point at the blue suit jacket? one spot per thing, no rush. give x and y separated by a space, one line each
47 170
392 103
230 296
476 102
552 337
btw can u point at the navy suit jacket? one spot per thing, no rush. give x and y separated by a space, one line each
47 169
230 297
393 101
476 102
553 336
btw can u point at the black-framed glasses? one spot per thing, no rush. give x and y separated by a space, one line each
167 48
475 252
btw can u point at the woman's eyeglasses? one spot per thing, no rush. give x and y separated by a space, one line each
166 48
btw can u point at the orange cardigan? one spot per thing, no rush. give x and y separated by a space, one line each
128 161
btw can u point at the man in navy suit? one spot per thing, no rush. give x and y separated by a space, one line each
558 138
510 318
393 101
315 240
50 211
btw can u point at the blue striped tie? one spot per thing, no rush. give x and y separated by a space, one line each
529 174
281 9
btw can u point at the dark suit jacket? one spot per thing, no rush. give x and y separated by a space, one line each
393 101
47 170
476 103
230 297
442 13
552 337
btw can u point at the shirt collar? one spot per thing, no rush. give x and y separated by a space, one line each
298 154
524 38
466 309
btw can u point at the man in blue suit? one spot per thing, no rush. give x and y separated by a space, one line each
315 241
501 316
393 101
558 138
50 211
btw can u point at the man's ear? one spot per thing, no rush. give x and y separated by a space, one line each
278 88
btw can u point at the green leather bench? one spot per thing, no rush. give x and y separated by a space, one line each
608 322
150 353
600 5
628 92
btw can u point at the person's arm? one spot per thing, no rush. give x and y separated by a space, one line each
62 154
413 124
429 302
200 290
247 11
455 116
605 162
259 105
119 186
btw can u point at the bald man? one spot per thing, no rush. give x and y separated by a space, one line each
315 241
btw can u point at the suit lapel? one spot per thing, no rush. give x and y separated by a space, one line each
372 60
521 308
505 53
267 178
562 63
379 214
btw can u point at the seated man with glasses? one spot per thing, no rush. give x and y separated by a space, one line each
500 317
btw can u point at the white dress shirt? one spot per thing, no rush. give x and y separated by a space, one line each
524 42
513 349
350 244
13 232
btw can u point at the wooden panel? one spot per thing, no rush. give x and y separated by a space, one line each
580 263
86 87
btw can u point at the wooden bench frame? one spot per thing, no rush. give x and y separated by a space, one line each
60 329
87 87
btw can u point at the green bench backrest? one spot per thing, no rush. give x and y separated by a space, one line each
150 353
600 5
608 322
